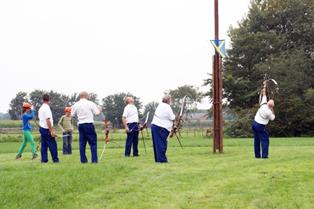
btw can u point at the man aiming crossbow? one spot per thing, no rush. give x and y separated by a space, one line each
161 127
130 121
262 117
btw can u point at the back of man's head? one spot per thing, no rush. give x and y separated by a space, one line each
46 98
129 100
166 99
83 95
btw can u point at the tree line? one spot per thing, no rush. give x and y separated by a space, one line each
112 105
275 38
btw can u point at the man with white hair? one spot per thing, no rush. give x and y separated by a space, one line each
130 122
262 117
85 111
161 127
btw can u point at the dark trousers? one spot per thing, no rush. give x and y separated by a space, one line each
47 141
88 134
67 143
132 139
159 136
261 139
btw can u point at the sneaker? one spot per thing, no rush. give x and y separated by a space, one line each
34 156
18 157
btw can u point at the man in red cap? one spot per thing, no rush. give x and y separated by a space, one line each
27 114
66 125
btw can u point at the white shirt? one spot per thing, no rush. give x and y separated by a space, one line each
130 113
164 116
85 111
44 113
264 113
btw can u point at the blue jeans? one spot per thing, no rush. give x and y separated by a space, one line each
132 139
159 136
87 134
67 142
47 141
261 139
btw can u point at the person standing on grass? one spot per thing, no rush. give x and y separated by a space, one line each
47 132
161 127
130 122
85 111
66 125
27 114
264 114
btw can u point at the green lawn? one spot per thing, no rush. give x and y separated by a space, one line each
193 178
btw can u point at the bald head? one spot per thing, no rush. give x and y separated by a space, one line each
166 99
129 100
83 95
271 103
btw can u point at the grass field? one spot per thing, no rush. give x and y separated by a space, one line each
193 178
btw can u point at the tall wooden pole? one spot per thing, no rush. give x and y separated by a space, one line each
217 92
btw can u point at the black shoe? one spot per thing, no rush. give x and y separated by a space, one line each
18 157
34 156
136 155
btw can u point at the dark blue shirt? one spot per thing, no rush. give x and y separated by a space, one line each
26 117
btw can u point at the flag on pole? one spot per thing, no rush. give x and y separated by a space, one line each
219 46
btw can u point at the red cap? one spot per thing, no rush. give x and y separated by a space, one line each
27 105
68 109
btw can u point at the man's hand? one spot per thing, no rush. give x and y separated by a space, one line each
142 126
264 84
127 130
53 133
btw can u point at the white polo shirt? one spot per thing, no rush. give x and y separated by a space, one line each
164 116
130 113
264 113
85 111
44 113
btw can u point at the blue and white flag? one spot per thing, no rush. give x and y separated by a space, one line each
220 47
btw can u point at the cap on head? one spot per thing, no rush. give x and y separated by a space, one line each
67 109
46 98
271 103
166 99
27 105
83 95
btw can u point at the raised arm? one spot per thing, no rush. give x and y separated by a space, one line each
263 94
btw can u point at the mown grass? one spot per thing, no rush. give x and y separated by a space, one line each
193 178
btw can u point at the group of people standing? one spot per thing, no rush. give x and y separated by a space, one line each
85 110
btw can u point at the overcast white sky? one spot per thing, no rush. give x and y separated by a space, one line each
109 46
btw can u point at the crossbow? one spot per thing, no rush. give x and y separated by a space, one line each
142 126
272 87
177 124
106 139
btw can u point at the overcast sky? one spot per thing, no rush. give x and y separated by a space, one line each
109 46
